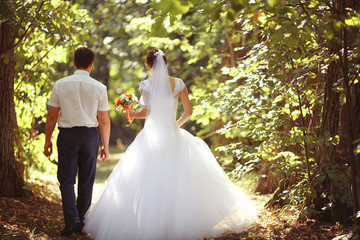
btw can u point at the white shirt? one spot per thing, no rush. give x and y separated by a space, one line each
79 98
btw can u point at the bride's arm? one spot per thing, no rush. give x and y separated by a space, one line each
187 107
141 114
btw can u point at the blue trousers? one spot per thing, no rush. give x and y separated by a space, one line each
77 153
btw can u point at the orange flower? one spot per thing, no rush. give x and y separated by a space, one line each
117 102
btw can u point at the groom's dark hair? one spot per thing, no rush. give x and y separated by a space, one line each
83 57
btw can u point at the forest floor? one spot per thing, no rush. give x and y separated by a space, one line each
39 216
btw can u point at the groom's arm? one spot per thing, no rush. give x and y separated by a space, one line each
104 125
51 120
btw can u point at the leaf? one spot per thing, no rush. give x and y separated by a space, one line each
353 21
291 42
215 15
278 99
192 3
329 34
157 28
172 19
230 14
173 7
357 151
273 3
276 37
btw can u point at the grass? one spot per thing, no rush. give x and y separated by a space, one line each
103 170
247 184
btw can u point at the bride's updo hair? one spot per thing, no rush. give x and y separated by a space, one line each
150 59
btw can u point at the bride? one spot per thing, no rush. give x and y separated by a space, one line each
168 185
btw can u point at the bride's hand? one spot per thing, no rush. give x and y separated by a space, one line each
129 113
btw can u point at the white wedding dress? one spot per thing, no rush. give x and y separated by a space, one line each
168 185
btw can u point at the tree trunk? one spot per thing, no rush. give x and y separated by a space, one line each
338 120
269 182
11 182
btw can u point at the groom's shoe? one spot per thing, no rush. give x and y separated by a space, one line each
79 229
70 228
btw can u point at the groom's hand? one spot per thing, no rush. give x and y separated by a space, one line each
104 154
48 148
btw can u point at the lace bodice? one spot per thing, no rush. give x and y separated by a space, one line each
179 85
170 104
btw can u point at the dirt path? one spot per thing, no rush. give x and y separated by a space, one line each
34 217
39 216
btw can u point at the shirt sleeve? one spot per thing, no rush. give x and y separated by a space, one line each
104 103
54 98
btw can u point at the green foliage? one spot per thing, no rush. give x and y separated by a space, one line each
273 57
174 7
46 30
255 72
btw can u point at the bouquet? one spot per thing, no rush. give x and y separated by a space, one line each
127 101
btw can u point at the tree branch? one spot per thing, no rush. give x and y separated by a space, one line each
23 35
231 50
25 77
267 121
302 124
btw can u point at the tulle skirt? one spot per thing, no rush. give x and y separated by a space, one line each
170 187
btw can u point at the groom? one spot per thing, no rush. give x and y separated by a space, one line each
79 104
